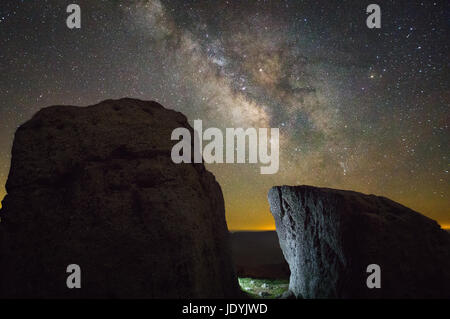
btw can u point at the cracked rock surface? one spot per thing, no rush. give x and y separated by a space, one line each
96 186
330 236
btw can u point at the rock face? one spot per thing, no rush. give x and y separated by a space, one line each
95 186
329 237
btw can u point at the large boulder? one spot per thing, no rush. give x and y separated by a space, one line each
329 237
95 186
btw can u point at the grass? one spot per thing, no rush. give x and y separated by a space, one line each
263 288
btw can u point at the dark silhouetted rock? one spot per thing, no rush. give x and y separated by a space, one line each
329 237
96 186
287 295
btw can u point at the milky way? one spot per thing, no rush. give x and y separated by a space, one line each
358 108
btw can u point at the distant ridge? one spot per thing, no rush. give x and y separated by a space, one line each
257 254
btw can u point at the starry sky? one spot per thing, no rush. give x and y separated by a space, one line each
357 108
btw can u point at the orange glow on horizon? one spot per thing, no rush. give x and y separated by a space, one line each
258 228
234 225
273 228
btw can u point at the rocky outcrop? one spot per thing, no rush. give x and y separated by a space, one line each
95 186
329 237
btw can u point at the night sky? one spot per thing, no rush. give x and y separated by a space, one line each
360 109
